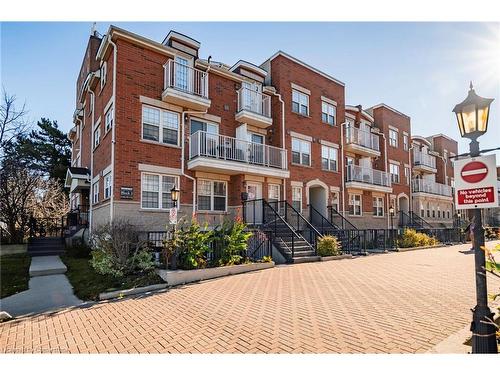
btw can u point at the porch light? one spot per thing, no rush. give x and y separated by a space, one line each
174 195
472 115
391 210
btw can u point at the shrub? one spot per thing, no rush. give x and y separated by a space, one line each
233 241
492 233
266 259
117 251
412 238
328 246
193 246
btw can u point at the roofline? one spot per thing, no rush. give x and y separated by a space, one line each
183 37
442 135
249 65
421 138
363 112
300 62
389 108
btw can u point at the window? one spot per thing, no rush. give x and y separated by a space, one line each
108 120
355 204
433 212
273 193
107 186
97 136
428 210
95 192
407 175
329 157
300 103
405 142
160 126
198 125
448 214
301 152
422 211
104 72
156 194
328 113
378 206
393 138
394 170
211 195
297 198
335 201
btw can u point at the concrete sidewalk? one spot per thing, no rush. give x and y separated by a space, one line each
49 289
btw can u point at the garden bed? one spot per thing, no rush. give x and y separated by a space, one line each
179 277
14 273
88 284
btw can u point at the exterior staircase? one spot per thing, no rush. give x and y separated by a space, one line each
412 220
42 246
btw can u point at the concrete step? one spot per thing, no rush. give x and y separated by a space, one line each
306 259
45 253
46 265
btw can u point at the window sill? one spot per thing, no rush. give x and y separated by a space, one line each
160 144
328 170
327 123
301 165
301 115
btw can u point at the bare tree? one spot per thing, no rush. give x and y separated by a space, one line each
49 200
12 120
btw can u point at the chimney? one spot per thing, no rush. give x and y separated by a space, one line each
358 114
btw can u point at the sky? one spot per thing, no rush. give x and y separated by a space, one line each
421 69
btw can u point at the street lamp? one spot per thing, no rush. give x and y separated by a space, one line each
174 196
472 117
391 212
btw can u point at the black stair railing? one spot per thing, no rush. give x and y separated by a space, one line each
339 220
323 225
300 224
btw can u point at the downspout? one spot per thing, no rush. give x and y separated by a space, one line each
411 177
342 166
184 113
282 134
385 167
91 197
113 134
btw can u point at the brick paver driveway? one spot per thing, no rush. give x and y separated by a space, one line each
399 302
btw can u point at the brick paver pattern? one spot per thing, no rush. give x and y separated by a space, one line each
390 303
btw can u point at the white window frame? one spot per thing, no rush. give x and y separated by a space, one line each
301 151
297 191
405 142
108 120
95 192
393 141
407 175
354 205
104 73
212 195
107 186
303 100
160 190
271 187
161 126
97 136
378 206
392 168
330 111
329 150
335 200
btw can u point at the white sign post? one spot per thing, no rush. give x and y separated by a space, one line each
476 182
173 216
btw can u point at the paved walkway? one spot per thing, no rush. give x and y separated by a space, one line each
49 289
392 303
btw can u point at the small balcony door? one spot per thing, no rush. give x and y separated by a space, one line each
256 152
254 211
182 73
252 99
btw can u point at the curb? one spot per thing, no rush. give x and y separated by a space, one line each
336 257
403 249
130 292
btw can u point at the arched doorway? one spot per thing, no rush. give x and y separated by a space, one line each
318 198
403 203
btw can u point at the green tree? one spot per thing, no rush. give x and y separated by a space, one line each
46 149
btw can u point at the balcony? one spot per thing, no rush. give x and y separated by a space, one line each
423 162
254 108
358 177
185 86
431 187
361 142
228 155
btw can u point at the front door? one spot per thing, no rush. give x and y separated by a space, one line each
254 209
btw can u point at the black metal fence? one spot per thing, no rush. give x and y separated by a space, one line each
46 227
258 245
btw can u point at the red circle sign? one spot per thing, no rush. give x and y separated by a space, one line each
474 172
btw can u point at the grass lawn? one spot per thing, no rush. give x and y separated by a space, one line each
88 284
14 273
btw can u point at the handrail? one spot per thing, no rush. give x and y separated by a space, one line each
361 137
422 186
343 218
313 210
367 175
186 78
421 158
314 233
254 101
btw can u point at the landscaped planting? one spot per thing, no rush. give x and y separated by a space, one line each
412 238
328 246
14 273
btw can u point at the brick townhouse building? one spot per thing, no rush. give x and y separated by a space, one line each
150 116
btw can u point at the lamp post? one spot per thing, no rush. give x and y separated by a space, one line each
174 196
391 212
472 117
